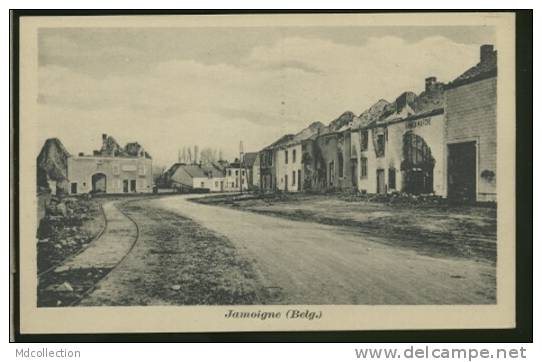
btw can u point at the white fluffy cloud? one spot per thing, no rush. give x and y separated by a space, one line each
275 89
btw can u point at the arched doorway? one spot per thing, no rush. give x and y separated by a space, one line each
417 166
99 183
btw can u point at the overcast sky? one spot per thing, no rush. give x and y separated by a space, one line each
174 87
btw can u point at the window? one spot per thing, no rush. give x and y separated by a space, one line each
236 172
74 187
364 137
293 176
363 167
232 185
293 156
380 145
391 178
286 156
229 172
142 170
116 169
243 172
216 183
236 183
341 164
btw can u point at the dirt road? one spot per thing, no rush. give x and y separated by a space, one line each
310 263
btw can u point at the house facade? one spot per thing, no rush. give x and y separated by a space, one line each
268 162
195 177
236 177
112 169
111 175
471 131
289 167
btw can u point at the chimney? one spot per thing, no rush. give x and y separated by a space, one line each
430 83
486 52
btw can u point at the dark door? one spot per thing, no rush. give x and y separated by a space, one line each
298 180
99 183
285 182
124 185
380 182
133 185
462 171
354 172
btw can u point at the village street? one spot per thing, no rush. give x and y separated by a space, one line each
271 260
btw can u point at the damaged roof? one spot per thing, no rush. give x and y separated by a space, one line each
486 68
249 158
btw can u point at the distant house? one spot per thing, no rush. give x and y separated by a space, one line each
251 163
268 171
236 177
193 177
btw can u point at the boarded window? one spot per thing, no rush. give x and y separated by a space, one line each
363 167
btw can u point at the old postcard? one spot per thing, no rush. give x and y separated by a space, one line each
269 172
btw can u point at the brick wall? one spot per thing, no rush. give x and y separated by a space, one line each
471 116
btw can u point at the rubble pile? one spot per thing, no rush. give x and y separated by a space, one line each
60 231
394 198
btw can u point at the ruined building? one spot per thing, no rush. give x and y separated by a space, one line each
112 169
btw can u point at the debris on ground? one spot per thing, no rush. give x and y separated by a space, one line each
68 224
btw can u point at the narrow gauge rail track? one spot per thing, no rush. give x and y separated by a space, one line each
89 290
85 292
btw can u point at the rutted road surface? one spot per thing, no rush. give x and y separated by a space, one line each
310 263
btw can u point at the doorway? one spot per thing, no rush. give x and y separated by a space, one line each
462 171
99 183
380 182
417 165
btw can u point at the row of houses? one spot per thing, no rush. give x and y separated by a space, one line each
441 142
220 176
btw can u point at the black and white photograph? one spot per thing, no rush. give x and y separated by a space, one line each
272 169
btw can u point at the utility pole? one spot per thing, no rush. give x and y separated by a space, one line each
240 170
